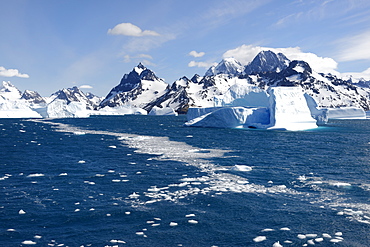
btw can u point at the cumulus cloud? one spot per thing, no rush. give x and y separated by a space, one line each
197 54
246 53
11 73
355 47
200 64
129 29
86 87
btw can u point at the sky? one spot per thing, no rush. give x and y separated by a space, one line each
47 45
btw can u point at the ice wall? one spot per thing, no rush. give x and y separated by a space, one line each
16 109
243 95
289 109
232 117
60 109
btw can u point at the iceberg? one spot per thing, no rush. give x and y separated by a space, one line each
168 111
346 113
287 109
119 110
60 109
16 109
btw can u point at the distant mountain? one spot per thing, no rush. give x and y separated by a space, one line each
136 89
33 97
229 66
9 91
266 69
73 94
94 98
267 61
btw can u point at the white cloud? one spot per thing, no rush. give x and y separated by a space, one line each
129 58
246 53
200 64
355 47
11 73
129 29
197 54
358 75
86 87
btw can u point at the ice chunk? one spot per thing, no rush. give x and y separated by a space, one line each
22 211
29 242
173 224
33 175
277 244
242 168
259 239
193 221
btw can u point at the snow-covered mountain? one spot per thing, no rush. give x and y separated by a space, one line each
73 94
229 66
267 61
266 69
9 91
136 89
33 97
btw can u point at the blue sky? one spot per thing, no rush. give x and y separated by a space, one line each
47 45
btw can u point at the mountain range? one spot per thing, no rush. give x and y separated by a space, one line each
141 88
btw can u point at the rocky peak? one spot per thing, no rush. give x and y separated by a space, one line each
267 61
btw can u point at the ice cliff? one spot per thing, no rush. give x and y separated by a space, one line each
286 109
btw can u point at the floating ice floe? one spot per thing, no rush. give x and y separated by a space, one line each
277 244
173 224
33 175
259 239
193 221
21 211
29 242
241 168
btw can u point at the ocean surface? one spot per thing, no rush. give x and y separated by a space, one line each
149 181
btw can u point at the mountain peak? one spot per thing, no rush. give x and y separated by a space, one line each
267 61
229 66
139 68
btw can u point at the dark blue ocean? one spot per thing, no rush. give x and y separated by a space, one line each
149 181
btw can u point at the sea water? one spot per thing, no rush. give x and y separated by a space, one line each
149 181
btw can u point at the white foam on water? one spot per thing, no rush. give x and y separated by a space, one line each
214 181
332 194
